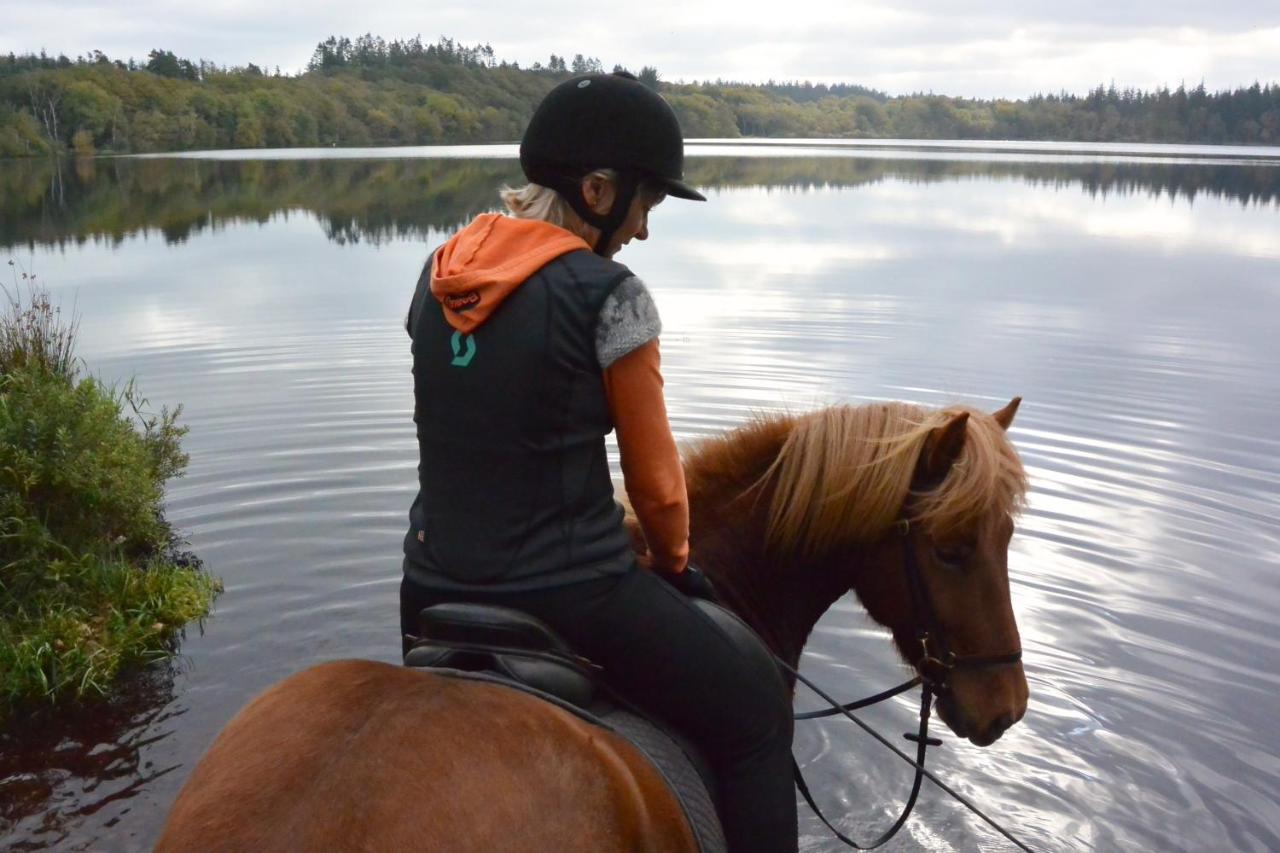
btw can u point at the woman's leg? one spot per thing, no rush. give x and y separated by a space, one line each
661 652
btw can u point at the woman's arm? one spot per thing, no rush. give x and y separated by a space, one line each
651 466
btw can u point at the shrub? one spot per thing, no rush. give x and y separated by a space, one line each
91 578
82 144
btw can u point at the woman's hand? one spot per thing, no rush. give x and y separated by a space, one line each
693 582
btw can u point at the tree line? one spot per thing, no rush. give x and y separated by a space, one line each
368 91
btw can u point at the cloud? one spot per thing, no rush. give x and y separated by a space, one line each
1003 48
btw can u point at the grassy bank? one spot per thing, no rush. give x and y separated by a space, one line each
92 582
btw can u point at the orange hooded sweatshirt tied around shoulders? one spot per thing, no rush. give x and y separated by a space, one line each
488 260
483 263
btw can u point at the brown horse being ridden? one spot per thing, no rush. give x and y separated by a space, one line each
788 514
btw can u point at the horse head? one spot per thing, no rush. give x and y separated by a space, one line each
963 564
911 509
956 626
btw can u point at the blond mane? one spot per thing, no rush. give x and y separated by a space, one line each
844 472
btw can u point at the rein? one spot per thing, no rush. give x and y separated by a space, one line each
934 666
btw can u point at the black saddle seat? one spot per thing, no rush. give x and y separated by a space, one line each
508 642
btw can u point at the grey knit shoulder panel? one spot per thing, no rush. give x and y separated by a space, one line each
628 320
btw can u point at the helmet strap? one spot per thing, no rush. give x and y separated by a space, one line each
628 184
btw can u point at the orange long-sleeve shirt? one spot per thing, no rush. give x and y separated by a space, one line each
651 469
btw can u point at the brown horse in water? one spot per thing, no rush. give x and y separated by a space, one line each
788 514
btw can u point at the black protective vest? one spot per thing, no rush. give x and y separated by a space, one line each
514 490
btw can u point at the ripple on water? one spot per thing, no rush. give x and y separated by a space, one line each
1143 570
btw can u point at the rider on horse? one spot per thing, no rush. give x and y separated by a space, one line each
531 344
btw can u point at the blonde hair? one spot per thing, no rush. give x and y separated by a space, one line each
535 201
844 473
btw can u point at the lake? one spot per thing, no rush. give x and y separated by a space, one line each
1131 295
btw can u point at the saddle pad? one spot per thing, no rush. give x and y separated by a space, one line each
676 767
663 752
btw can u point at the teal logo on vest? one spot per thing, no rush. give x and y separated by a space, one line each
464 349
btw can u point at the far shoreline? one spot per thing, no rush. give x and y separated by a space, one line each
943 149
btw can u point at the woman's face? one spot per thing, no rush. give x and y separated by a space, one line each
600 194
636 225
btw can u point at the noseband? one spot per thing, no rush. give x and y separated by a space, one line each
937 661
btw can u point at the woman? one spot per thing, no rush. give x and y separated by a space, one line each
529 345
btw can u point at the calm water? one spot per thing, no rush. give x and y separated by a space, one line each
1132 297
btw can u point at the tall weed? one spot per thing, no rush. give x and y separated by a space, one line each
32 328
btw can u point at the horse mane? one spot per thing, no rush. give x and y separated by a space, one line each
843 473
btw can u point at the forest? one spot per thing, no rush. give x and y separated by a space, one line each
369 91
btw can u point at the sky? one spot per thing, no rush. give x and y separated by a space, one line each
1004 48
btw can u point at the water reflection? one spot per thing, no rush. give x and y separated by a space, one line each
57 203
1133 307
56 770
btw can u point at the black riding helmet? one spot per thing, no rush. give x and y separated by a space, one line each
605 121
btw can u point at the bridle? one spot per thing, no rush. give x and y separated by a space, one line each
937 661
934 667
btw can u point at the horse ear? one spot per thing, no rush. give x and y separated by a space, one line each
942 448
1004 417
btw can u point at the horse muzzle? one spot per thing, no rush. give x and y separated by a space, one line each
985 728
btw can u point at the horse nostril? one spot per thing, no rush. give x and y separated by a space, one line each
1001 725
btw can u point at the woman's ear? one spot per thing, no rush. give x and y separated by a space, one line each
598 192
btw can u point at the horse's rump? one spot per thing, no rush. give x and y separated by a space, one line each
401 760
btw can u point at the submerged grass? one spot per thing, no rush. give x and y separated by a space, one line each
92 579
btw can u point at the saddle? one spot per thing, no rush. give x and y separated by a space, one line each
510 647
508 643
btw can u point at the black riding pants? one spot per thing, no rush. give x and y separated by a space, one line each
663 654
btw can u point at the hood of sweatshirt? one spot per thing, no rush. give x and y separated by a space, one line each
486 261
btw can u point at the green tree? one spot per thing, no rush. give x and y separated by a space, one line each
166 64
89 108
369 89
249 132
82 144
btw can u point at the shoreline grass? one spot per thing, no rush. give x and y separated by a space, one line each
93 581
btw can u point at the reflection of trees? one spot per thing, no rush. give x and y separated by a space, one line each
356 199
1247 184
375 200
57 769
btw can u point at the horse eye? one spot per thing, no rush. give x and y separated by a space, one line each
953 555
